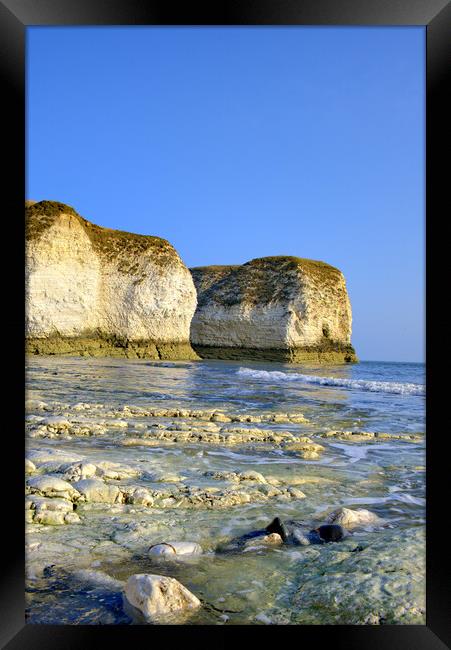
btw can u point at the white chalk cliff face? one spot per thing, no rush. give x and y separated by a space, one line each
93 290
284 308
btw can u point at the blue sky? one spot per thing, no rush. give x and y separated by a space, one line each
236 143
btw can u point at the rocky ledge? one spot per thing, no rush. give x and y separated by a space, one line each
101 292
274 308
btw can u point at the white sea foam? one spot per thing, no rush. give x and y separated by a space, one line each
358 384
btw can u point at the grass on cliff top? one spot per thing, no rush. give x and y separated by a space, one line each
112 244
275 262
261 281
291 263
215 267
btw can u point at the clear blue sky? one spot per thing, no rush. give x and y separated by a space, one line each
236 143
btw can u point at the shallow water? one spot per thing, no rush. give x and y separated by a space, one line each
374 576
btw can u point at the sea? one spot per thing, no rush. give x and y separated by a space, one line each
223 448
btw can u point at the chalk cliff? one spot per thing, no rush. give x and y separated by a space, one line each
96 291
276 308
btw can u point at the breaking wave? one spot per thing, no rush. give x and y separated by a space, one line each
358 384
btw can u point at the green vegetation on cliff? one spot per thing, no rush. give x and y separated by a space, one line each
261 281
123 248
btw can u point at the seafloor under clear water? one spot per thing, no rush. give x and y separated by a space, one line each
106 414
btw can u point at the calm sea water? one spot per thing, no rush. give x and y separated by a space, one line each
385 476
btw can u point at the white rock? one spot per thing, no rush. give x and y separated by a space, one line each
116 471
56 421
53 512
44 503
72 518
30 467
55 518
35 405
350 518
140 497
49 518
157 596
175 548
273 539
252 476
41 456
295 493
97 491
50 486
77 471
118 424
220 417
263 618
309 455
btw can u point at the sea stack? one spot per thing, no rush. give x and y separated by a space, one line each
274 308
102 292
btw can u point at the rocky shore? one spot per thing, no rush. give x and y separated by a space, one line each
160 511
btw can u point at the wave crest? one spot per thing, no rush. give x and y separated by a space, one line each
358 384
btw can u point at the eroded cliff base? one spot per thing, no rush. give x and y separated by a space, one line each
109 346
328 353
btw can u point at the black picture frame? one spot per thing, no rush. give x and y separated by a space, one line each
15 16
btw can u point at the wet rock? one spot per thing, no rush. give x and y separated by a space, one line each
279 418
271 539
179 426
116 471
144 442
222 476
252 476
226 436
48 511
269 491
175 548
351 518
77 471
295 493
297 418
139 496
254 540
220 417
300 533
118 424
55 518
72 518
369 436
157 597
35 405
30 467
309 455
49 486
97 491
42 456
238 477
304 444
44 503
81 406
383 583
163 477
56 422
